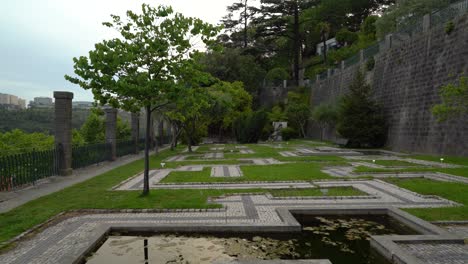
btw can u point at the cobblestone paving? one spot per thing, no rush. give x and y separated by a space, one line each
67 240
438 252
226 171
177 158
61 242
216 155
194 148
415 161
288 154
347 172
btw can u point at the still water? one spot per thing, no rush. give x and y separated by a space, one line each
343 240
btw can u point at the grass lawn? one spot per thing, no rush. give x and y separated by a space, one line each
395 163
453 191
335 159
447 159
280 172
454 171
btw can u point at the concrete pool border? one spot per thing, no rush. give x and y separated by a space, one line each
388 245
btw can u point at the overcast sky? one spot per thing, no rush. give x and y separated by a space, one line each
39 38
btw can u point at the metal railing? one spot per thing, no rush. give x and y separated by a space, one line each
27 168
83 156
409 28
125 147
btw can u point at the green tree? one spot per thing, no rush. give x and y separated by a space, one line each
277 114
93 130
228 101
18 141
231 65
454 100
140 68
360 118
405 13
325 115
298 112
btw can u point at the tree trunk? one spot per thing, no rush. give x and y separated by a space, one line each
174 138
147 147
245 24
303 131
297 43
324 47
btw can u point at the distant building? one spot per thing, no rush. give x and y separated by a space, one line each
331 45
42 102
82 105
9 101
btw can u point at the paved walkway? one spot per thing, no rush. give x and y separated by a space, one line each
53 184
70 239
66 241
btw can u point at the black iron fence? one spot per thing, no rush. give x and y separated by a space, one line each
125 147
27 168
83 156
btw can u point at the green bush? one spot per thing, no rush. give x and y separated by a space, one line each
370 64
344 36
449 27
277 74
248 127
288 133
360 119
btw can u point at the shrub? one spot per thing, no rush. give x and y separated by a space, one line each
346 37
370 64
360 119
248 127
277 74
449 27
288 133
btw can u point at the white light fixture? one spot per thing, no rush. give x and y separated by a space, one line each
163 165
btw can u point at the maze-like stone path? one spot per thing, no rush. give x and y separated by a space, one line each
177 158
194 148
217 149
347 172
246 151
437 252
215 155
288 154
64 242
415 161
226 171
269 161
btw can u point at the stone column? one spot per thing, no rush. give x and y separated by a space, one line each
361 56
342 65
161 131
136 130
427 23
63 131
329 73
388 41
111 130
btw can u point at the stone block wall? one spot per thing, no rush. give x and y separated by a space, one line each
406 82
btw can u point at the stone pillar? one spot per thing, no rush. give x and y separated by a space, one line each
361 56
161 132
111 130
342 65
388 41
317 77
329 73
427 23
136 130
63 131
